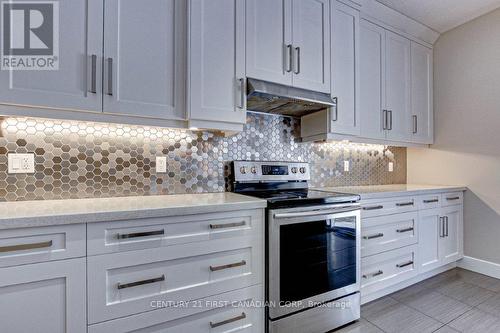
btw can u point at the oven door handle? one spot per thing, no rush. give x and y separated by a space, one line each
317 212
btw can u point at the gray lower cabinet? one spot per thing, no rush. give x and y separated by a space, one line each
44 297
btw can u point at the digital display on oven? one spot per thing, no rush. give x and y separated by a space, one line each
274 170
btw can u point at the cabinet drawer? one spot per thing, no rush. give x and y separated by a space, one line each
370 208
126 283
32 245
228 312
428 201
119 236
383 270
384 233
452 198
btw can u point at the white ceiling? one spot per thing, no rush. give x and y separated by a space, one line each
442 15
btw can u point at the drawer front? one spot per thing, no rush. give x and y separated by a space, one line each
119 236
388 268
429 201
32 245
452 198
126 283
371 208
384 233
228 312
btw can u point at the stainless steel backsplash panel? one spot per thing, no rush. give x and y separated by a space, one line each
80 159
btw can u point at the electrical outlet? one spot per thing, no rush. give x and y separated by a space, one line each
346 166
161 164
391 166
21 163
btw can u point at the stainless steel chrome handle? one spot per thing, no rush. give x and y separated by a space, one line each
222 267
431 200
415 124
373 207
227 225
384 119
403 204
288 58
404 264
404 230
110 76
227 321
379 272
317 213
452 198
374 236
140 234
140 283
446 220
297 60
335 109
242 93
390 120
21 247
441 226
93 74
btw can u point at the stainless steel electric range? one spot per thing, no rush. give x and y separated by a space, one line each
312 248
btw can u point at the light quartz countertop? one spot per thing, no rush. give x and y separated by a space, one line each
23 214
385 191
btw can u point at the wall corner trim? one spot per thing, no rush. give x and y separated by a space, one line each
480 266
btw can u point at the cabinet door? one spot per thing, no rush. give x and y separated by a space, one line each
217 62
269 40
451 248
397 81
144 53
311 44
430 235
421 94
372 75
47 297
69 87
345 69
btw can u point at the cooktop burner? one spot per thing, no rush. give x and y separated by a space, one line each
282 184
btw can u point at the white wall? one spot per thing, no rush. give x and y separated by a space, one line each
467 129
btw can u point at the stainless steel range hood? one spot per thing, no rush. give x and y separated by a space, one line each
275 98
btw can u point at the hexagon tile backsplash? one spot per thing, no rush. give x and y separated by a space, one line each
80 159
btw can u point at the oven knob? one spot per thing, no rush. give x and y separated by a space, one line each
294 169
302 170
253 170
243 170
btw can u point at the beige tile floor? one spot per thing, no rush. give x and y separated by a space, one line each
455 301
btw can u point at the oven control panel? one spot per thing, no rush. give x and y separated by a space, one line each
270 171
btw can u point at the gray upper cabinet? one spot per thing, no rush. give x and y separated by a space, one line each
288 42
345 69
217 80
372 74
421 94
269 40
70 86
397 91
144 58
311 44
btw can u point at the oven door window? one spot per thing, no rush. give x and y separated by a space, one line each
317 257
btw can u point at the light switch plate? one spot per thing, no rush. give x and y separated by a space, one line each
21 163
161 164
391 166
346 166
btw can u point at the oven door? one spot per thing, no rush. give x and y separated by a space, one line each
314 256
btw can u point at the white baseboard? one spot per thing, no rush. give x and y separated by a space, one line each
480 266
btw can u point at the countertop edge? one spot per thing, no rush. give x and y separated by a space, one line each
133 214
390 194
